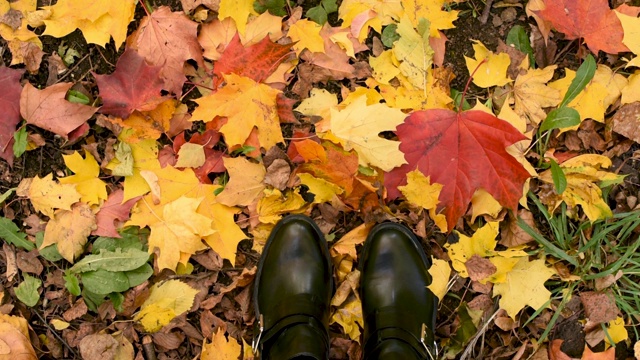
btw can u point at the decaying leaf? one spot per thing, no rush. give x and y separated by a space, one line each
14 339
69 230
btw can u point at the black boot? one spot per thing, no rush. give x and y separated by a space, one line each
292 292
399 311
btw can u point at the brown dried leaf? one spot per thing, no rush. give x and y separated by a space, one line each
512 234
599 307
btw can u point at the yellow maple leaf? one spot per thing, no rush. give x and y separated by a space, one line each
246 104
589 102
166 301
488 69
384 66
275 203
347 243
86 178
631 27
179 233
148 124
414 53
431 10
612 81
21 41
173 184
306 35
440 272
360 15
14 335
524 286
420 191
220 348
407 97
631 93
583 173
98 20
69 229
617 332
357 127
349 316
145 157
245 182
322 190
214 37
263 25
483 203
238 10
532 94
319 103
47 195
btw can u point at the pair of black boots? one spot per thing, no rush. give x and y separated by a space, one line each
294 284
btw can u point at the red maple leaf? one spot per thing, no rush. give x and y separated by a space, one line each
113 210
213 162
257 61
134 85
592 20
462 151
10 90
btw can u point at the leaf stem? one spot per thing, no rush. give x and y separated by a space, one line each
466 87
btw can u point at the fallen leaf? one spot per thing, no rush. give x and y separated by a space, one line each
358 126
431 10
238 10
349 316
413 52
47 195
347 244
440 272
69 230
9 110
617 331
532 94
589 102
275 203
134 85
588 354
179 233
168 39
306 35
112 213
322 190
599 307
488 69
339 167
98 20
594 21
105 346
512 234
191 155
143 155
524 286
626 121
220 348
166 301
246 104
49 110
473 144
86 178
14 339
245 182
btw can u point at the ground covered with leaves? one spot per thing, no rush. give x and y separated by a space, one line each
148 148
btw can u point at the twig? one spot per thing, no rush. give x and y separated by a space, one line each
75 355
485 13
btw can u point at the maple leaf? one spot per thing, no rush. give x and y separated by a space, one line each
238 10
114 209
524 286
337 167
69 230
322 190
148 124
589 102
86 178
488 69
414 52
245 182
213 158
432 11
168 39
420 191
274 203
593 20
220 348
179 232
531 94
247 104
47 195
9 110
24 44
14 334
463 152
98 20
134 85
256 62
49 110
143 156
306 35
166 301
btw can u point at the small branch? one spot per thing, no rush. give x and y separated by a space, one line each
485 13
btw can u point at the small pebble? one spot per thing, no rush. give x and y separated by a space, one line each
508 14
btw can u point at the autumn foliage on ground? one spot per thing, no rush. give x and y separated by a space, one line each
219 117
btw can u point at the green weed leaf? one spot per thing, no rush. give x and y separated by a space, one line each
10 233
27 291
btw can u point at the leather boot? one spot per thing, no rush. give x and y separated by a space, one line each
292 292
399 311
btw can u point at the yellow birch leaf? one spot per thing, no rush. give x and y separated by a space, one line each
166 301
488 69
349 315
483 203
14 339
86 178
358 126
145 157
246 104
414 53
47 195
306 35
420 191
220 348
532 94
190 155
322 190
179 232
440 272
238 10
524 286
616 331
59 324
70 229
275 203
245 182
